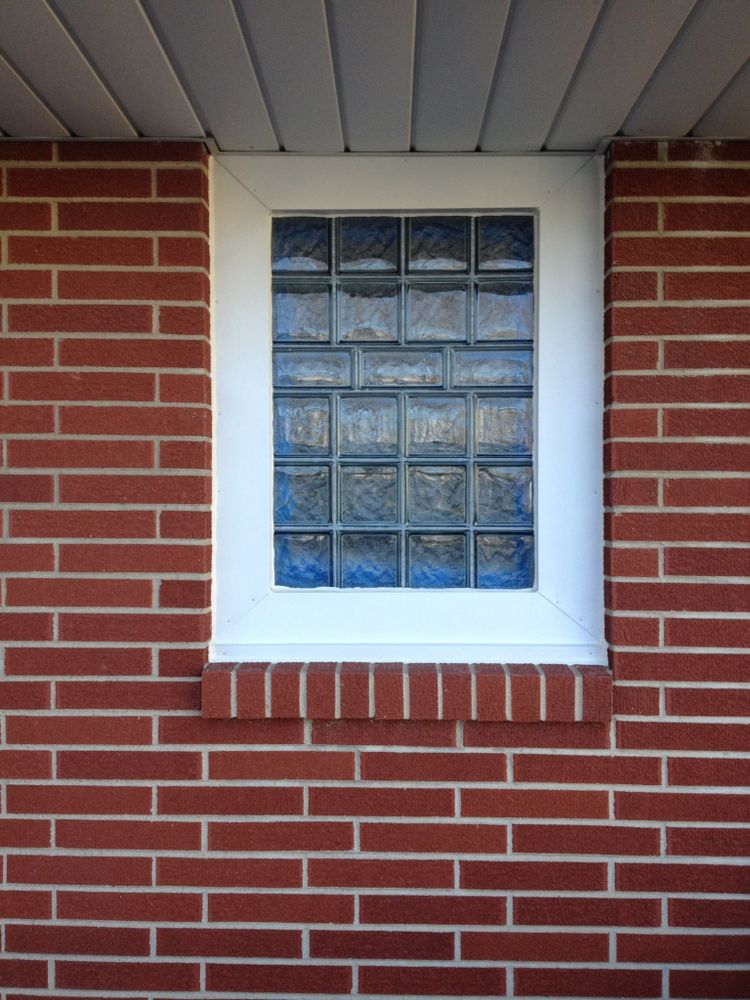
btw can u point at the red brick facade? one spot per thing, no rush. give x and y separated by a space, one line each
504 836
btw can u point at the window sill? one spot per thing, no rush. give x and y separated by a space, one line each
397 691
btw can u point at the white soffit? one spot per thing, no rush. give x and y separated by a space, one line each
330 76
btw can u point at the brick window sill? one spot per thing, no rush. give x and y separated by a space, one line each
407 691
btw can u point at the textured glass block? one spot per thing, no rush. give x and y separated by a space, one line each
505 311
437 561
402 368
301 311
369 560
301 426
437 425
505 242
311 368
482 368
438 243
300 244
504 426
368 311
302 560
437 312
368 243
301 494
503 495
368 425
505 562
368 494
437 494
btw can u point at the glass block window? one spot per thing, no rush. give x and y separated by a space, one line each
403 401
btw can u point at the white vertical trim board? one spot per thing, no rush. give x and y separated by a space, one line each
559 621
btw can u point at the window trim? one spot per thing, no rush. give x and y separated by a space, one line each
559 622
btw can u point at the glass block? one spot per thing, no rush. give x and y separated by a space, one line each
503 495
369 560
504 426
505 311
437 494
505 562
301 494
302 560
368 494
300 243
437 312
505 242
484 368
368 243
437 425
437 243
368 311
301 426
301 311
311 368
437 561
402 368
368 425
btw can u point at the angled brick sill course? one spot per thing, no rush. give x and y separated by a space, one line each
480 692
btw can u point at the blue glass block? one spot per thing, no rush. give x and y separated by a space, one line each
437 561
369 560
368 425
437 312
503 495
301 494
303 369
301 312
300 244
438 243
505 562
302 560
436 494
368 494
483 368
368 311
437 425
402 368
368 243
505 311
301 426
504 426
505 242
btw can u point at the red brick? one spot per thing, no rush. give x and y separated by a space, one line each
570 982
707 701
278 836
704 632
679 389
707 150
15 695
272 765
295 978
62 940
707 354
193 729
384 874
682 948
18 972
78 870
693 877
176 662
133 353
534 802
630 424
98 250
580 839
24 215
129 765
709 771
381 801
631 562
183 251
69 593
636 701
561 692
631 216
432 946
707 562
709 912
448 767
321 690
135 489
525 693
131 420
134 216
667 320
588 911
66 182
354 686
441 980
134 628
25 284
630 286
82 524
251 690
185 320
135 559
668 455
26 420
389 733
706 492
710 217
230 872
25 764
185 455
143 150
310 907
181 184
64 386
184 389
219 801
81 454
567 876
25 352
25 833
140 905
551 734
141 975
423 690
677 182
144 695
682 736
101 318
644 596
211 942
18 904
93 799
149 285
456 681
71 730
504 946
703 985
490 689
434 838
453 910
707 842
192 524
678 251
20 626
624 355
285 691
185 594
681 527
74 661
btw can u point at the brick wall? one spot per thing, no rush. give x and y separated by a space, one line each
479 851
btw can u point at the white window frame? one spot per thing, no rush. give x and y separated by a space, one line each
562 619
